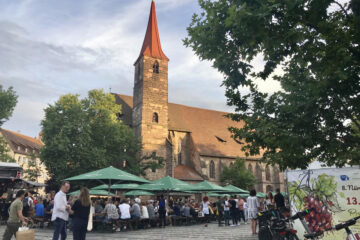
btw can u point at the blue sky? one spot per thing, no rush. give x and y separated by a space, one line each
49 48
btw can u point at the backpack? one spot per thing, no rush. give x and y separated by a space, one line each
26 202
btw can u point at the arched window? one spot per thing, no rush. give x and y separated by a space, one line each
276 174
156 67
250 169
155 118
212 169
231 165
267 173
258 172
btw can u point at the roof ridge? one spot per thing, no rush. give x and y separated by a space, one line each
34 140
207 109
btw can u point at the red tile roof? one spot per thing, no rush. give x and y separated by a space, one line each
151 45
15 139
187 173
209 128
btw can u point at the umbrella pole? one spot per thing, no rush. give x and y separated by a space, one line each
109 187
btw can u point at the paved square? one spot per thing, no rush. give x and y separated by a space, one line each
177 233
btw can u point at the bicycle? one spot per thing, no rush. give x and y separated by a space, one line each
345 225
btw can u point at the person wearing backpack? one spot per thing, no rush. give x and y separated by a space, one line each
26 205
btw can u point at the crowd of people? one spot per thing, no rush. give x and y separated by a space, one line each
77 212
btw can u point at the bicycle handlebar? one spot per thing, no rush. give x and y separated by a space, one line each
346 223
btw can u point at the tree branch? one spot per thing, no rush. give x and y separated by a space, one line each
342 8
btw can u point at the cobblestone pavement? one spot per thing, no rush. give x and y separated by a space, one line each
187 232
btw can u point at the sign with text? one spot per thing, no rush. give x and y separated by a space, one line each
332 194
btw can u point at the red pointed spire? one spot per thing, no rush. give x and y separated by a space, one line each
151 45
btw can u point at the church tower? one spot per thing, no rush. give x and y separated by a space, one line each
150 106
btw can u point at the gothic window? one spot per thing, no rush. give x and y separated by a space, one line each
267 173
276 173
156 67
258 172
250 169
155 118
212 169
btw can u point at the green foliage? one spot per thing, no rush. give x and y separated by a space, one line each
31 170
238 175
316 44
8 100
83 135
4 151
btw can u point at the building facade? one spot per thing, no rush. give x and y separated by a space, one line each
195 142
23 149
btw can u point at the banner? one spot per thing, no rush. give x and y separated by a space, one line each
333 194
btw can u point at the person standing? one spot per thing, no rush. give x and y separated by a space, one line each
227 212
220 210
81 210
279 199
162 211
253 206
233 211
241 209
60 214
16 217
205 209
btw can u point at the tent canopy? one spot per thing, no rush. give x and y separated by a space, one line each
260 195
109 173
207 186
124 186
234 189
138 193
94 192
166 184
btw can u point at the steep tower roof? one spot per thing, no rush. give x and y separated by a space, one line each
151 45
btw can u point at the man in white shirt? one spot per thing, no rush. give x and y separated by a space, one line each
60 214
124 208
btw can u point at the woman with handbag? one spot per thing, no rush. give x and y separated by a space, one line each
81 211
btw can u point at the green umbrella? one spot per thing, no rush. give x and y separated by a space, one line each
138 193
217 195
106 175
124 186
166 184
234 189
109 173
206 186
260 195
94 192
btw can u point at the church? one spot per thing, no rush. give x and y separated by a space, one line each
194 142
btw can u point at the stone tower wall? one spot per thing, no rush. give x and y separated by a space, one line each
150 97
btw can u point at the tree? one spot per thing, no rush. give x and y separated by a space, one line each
82 135
4 151
316 45
238 175
31 172
8 100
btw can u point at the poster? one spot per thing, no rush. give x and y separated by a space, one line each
333 194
